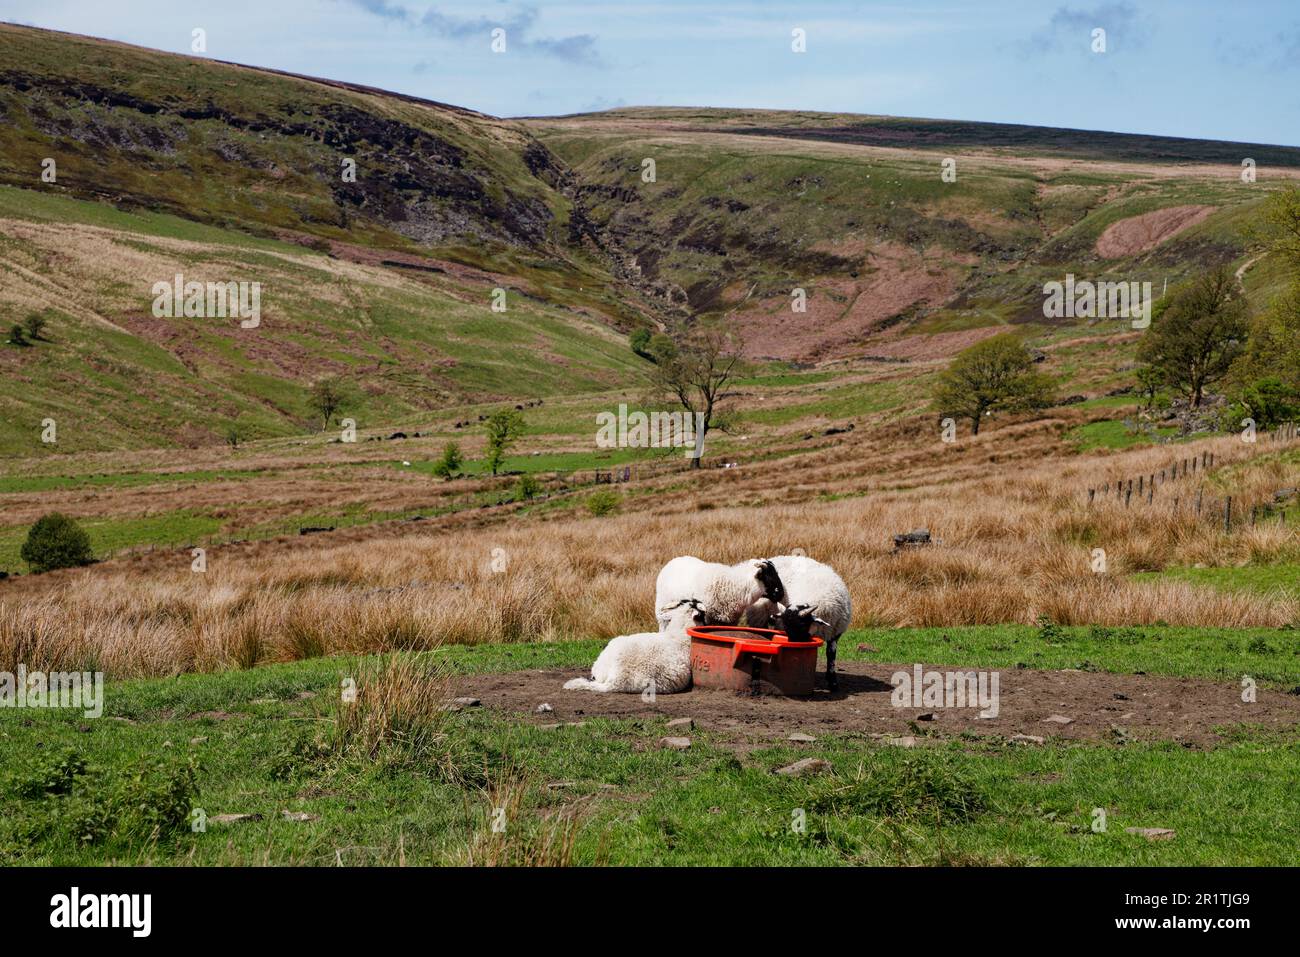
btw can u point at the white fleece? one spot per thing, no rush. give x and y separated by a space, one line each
726 592
809 582
648 660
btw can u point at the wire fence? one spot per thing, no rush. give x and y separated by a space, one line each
1175 487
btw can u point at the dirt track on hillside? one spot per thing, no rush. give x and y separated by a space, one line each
1102 707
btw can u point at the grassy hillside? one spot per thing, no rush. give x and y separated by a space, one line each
748 205
231 145
114 376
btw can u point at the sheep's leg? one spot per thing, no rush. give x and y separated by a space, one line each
832 680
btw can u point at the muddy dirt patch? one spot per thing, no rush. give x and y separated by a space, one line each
1097 707
1137 234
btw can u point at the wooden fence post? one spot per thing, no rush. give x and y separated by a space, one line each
1227 514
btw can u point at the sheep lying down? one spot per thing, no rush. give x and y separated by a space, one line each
658 661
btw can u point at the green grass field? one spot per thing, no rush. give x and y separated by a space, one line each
124 788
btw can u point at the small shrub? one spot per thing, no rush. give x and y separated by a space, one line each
1258 646
527 487
16 336
56 541
604 502
34 325
150 803
1049 632
300 755
399 714
911 789
451 462
51 773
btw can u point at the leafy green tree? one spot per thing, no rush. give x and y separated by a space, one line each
1269 401
451 461
1281 225
995 375
1198 335
1149 379
56 541
503 428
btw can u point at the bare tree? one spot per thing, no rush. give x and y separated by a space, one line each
693 367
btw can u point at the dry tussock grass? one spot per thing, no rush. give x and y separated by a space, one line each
1014 544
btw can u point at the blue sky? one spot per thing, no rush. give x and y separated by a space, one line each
1204 68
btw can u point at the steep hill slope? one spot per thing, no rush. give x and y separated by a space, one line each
167 165
746 206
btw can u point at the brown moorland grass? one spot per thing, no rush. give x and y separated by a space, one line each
1015 539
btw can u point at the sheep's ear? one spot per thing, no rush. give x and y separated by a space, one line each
821 621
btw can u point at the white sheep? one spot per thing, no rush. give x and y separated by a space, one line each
810 583
658 661
725 592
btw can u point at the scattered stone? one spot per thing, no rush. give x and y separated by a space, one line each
1027 739
575 724
675 744
299 816
905 741
549 727
715 810
544 707
305 695
1059 719
687 723
120 718
1152 833
198 740
928 716
916 537
800 738
1120 697
265 701
806 766
460 704
233 818
866 647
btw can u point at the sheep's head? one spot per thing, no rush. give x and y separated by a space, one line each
688 611
797 621
765 573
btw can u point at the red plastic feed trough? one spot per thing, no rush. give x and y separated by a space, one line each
757 660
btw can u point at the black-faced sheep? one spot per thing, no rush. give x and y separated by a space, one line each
725 592
810 583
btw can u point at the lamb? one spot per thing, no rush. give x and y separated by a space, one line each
725 592
658 661
811 583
